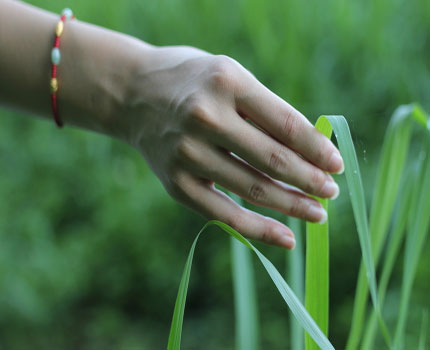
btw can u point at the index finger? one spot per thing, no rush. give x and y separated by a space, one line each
283 122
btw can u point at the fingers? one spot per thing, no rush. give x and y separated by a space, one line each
203 197
287 125
239 177
276 159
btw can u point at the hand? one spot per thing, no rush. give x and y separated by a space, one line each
189 114
197 118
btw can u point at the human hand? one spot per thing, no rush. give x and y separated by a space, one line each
188 113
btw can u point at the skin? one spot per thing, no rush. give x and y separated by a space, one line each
198 119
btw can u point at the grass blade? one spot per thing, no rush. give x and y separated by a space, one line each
393 157
317 263
399 228
355 186
245 299
423 333
415 242
295 278
288 295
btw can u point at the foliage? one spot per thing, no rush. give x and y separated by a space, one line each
86 230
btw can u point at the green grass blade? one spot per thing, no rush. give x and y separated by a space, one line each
414 243
317 263
295 268
399 228
423 332
353 179
393 157
245 298
288 295
355 186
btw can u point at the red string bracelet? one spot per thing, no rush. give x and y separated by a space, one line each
66 14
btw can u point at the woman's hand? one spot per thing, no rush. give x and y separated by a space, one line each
188 112
198 119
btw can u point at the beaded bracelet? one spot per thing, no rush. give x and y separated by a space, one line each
66 14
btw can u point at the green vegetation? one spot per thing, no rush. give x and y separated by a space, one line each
92 248
417 198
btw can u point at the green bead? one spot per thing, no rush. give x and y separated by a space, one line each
68 13
55 56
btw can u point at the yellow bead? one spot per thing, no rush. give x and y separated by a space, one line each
54 85
59 28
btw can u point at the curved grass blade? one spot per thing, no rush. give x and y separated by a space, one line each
393 157
245 298
295 278
317 263
288 295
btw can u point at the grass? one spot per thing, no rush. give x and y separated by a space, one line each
410 189
317 263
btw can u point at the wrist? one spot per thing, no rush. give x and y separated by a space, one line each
97 70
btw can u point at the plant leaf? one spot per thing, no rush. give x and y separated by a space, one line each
288 295
317 263
392 161
295 277
245 298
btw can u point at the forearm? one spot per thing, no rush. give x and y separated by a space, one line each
96 67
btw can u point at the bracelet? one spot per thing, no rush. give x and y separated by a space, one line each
66 14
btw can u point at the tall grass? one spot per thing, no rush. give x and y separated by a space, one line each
296 307
245 298
295 277
317 263
412 215
391 167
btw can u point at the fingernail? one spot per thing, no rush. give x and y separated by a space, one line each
288 242
336 162
330 189
318 214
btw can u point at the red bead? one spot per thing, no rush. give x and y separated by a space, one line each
54 71
63 17
57 42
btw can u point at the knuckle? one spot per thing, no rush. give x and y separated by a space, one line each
278 161
317 179
257 192
200 116
299 207
290 124
223 70
185 148
269 232
176 183
323 152
235 220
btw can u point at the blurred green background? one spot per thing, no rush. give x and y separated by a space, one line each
92 247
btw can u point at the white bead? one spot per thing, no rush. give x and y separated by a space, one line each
68 13
55 56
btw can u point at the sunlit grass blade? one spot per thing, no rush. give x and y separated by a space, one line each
393 156
245 299
317 263
414 243
287 294
295 273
